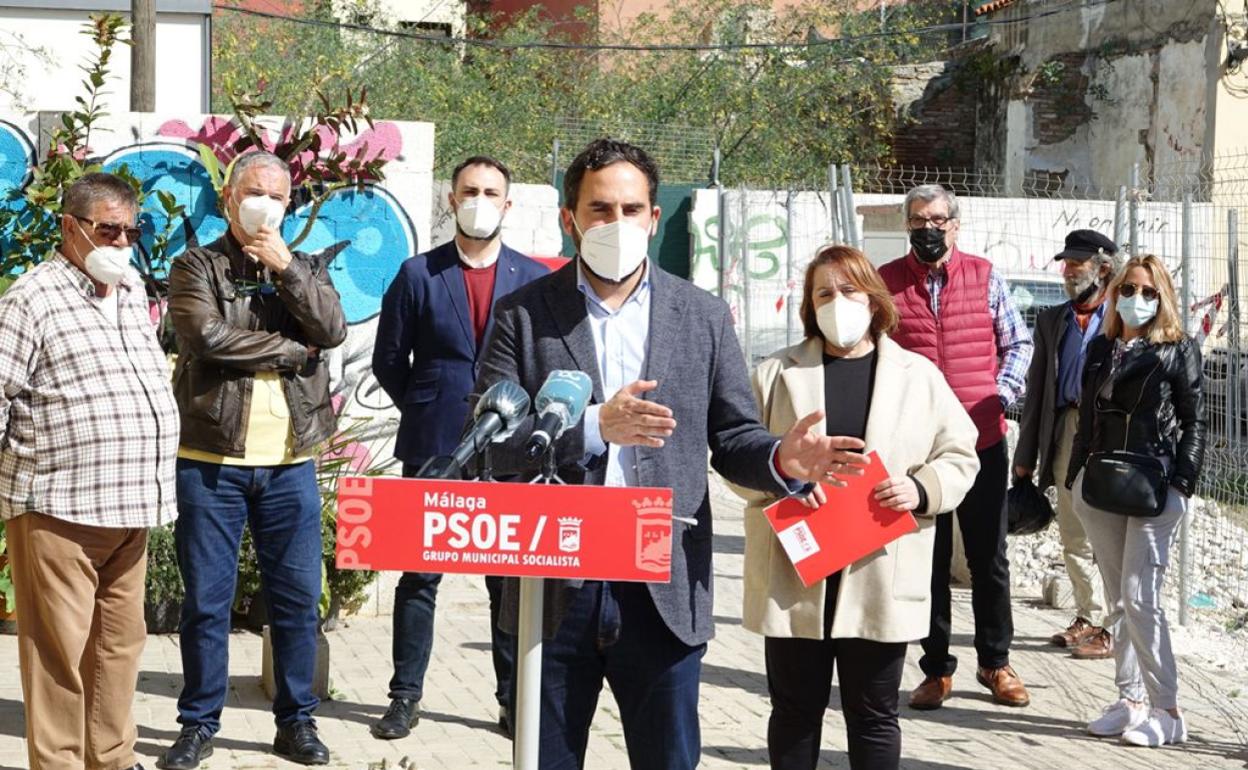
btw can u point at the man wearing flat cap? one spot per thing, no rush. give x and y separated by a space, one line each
1051 417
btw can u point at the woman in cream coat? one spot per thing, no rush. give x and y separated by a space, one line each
860 618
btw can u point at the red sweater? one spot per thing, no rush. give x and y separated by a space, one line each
961 341
479 282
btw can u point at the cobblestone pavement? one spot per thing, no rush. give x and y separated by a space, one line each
458 728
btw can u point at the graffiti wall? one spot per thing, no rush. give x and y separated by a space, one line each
368 233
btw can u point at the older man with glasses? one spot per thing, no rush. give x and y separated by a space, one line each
86 467
955 309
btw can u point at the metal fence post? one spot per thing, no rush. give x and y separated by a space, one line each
789 250
851 217
1232 317
835 208
1185 311
1134 209
554 164
722 245
743 238
1120 215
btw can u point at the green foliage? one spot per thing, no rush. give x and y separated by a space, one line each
34 228
1050 73
6 575
777 113
318 169
163 581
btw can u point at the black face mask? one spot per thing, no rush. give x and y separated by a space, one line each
929 244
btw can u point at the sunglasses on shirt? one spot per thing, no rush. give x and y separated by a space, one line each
111 231
1129 290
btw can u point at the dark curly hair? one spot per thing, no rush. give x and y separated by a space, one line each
602 153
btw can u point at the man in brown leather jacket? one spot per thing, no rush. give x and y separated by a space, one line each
251 320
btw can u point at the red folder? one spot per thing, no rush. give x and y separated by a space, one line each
849 526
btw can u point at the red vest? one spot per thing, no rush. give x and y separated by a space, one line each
961 341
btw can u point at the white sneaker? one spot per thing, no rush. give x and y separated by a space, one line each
1159 729
1118 717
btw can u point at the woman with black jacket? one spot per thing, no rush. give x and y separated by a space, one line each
1142 394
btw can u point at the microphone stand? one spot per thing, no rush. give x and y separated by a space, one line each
548 473
529 648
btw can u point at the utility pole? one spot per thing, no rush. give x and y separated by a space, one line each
143 55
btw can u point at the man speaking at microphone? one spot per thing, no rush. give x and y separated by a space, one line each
433 319
668 382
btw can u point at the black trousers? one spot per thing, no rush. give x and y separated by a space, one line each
799 677
982 519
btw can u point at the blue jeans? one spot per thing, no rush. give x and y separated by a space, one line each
613 631
415 599
282 505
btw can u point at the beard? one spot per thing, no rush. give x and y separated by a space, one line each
487 238
1081 288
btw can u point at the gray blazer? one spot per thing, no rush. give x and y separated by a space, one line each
1036 428
693 353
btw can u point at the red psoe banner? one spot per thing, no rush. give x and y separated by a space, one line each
517 530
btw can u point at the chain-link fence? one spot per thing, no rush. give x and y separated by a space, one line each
1185 214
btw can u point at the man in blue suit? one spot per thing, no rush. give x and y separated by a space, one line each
435 318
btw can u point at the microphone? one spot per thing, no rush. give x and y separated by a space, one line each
498 413
560 405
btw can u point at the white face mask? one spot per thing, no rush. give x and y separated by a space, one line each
478 218
106 264
257 211
1136 311
843 322
614 251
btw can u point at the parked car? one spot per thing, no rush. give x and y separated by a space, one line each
1032 293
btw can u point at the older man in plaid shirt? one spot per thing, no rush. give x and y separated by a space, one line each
88 440
955 310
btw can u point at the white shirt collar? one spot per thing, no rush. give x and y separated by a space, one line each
485 260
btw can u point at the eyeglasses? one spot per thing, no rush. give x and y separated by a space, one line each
1129 290
111 231
918 223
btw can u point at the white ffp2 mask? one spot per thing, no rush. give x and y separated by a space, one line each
614 251
478 218
843 322
259 210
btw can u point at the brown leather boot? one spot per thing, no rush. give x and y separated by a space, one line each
1075 634
1095 647
1006 686
931 693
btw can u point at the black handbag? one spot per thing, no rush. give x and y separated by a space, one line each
1126 483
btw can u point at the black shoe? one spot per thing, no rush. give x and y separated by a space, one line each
299 743
399 720
187 751
504 722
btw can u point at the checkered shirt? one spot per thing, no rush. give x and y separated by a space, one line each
88 424
1014 343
